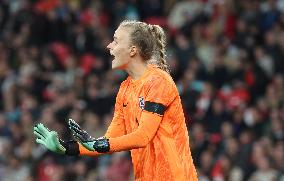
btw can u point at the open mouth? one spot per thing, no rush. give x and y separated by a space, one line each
112 55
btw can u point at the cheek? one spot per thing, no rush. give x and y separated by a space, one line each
116 50
121 51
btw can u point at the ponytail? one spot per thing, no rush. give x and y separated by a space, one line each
160 48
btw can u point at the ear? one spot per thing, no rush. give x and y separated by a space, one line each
133 51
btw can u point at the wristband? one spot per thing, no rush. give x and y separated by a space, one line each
72 147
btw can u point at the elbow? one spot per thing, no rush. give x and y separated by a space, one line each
143 145
144 141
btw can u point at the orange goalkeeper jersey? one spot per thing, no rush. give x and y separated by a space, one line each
161 149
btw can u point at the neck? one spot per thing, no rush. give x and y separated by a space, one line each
136 68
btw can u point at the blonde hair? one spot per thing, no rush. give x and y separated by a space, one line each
150 40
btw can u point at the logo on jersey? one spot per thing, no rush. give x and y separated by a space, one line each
141 102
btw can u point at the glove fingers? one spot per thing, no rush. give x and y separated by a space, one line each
78 137
74 127
76 130
40 141
38 135
84 138
42 130
36 129
79 133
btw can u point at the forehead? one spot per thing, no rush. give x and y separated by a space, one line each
121 33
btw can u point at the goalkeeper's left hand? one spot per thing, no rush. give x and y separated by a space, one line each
100 145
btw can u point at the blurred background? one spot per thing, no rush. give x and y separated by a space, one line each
226 57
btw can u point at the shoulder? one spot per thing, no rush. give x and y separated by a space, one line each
123 86
160 88
158 76
125 82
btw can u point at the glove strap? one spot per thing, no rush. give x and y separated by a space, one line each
101 145
72 147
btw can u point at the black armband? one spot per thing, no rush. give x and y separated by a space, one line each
72 147
101 145
155 108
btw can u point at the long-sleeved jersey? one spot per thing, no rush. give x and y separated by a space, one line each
149 121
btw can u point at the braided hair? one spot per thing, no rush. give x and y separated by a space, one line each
160 48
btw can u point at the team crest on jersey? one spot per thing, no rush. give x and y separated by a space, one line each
141 102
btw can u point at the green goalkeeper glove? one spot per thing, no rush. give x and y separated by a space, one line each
100 145
51 141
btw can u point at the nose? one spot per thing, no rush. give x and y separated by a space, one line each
109 46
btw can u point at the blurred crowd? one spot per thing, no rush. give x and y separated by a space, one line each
226 57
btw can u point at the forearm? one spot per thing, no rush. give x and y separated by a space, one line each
128 142
139 138
85 152
74 148
149 123
115 129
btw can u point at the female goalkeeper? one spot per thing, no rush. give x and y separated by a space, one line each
148 118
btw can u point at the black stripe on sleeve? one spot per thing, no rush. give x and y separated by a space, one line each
155 107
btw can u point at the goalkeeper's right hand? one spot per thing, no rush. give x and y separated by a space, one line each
50 140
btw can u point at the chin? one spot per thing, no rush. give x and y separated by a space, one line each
115 66
118 66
